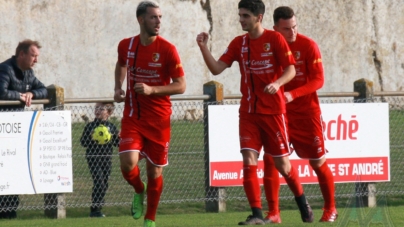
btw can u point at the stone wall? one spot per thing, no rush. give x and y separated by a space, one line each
357 38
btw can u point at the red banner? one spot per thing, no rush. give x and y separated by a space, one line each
370 169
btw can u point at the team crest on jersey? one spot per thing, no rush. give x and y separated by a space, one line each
156 57
297 55
267 47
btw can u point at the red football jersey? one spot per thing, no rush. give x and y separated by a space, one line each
309 78
154 65
261 61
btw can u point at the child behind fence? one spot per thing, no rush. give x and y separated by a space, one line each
99 137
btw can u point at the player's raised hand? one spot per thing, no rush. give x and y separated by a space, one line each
119 95
143 89
202 39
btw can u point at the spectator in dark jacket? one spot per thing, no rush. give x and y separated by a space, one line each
18 82
17 79
99 154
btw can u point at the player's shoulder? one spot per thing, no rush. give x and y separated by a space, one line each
163 41
271 33
306 40
240 38
126 41
272 36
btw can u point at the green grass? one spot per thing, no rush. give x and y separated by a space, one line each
348 216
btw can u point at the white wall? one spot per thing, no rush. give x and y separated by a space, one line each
80 38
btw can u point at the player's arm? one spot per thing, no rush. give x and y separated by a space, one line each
288 73
316 81
315 75
286 60
215 66
177 86
120 74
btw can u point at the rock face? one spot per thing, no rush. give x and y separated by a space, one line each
358 39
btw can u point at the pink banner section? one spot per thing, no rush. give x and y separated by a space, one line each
369 169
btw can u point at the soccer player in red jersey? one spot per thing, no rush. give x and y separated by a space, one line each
303 114
153 70
262 55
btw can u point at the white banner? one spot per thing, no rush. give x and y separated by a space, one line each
357 138
35 152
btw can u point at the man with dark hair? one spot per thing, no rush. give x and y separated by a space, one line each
18 82
17 78
266 64
304 115
154 72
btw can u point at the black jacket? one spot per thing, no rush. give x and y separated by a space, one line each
14 81
93 148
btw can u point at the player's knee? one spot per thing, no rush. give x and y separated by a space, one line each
282 164
153 171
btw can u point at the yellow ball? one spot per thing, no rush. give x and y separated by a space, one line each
101 134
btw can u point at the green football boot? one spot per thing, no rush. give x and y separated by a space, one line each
149 223
137 203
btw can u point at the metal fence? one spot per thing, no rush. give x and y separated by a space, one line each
184 177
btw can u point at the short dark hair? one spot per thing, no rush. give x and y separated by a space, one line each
142 7
25 45
283 12
254 6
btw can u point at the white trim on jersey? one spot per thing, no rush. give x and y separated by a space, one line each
129 88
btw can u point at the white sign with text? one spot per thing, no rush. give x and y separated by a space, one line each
35 152
356 137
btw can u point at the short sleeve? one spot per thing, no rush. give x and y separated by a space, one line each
232 52
175 66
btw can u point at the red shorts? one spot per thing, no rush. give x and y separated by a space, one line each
307 138
149 137
262 130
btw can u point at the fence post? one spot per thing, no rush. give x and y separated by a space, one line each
56 96
55 203
365 89
215 197
365 192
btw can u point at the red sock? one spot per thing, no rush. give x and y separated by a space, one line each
271 184
133 178
326 182
154 190
252 186
293 182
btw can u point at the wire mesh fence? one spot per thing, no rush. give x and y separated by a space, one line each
184 177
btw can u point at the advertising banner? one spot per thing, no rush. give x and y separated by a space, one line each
35 152
356 137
